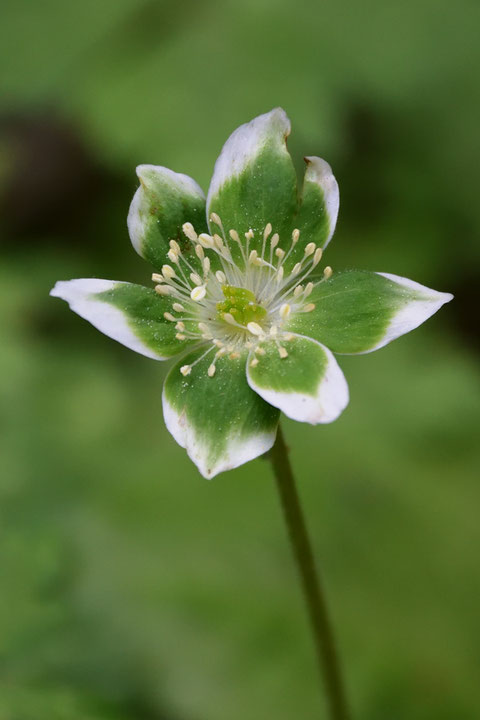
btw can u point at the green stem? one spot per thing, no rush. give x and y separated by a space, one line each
314 595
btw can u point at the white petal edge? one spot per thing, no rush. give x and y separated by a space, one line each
183 183
413 314
105 317
244 144
238 452
330 401
319 172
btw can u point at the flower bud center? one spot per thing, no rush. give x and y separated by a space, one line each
241 304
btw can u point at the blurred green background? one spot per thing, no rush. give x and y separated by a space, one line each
130 587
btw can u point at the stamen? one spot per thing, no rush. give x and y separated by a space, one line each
189 231
254 328
178 307
175 247
328 272
179 336
298 291
310 249
282 352
296 269
195 278
267 231
168 272
317 256
308 308
157 278
198 293
186 370
221 277
308 289
285 310
162 289
211 370
168 316
206 241
172 256
254 362
180 325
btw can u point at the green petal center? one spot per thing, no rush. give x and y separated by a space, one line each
241 304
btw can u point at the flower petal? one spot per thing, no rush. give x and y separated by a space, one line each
131 314
357 311
319 202
254 181
307 384
219 420
164 201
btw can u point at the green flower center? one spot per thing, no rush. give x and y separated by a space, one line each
241 304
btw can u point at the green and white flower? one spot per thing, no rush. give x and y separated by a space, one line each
239 296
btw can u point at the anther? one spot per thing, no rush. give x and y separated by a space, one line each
189 231
175 247
310 249
186 370
267 231
254 328
172 256
162 289
206 240
328 272
196 278
221 277
298 291
252 257
157 278
234 235
206 265
285 311
168 272
280 253
198 293
295 235
254 362
215 219
229 319
234 355
249 235
200 252
168 316
308 289
309 307
317 256
180 325
179 336
211 370
296 269
178 307
259 351
218 241
282 352
273 330
280 273
274 241
203 327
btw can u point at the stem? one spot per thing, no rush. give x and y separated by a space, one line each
314 595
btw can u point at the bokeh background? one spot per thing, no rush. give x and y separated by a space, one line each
131 588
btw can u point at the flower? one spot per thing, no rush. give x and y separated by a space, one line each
239 295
